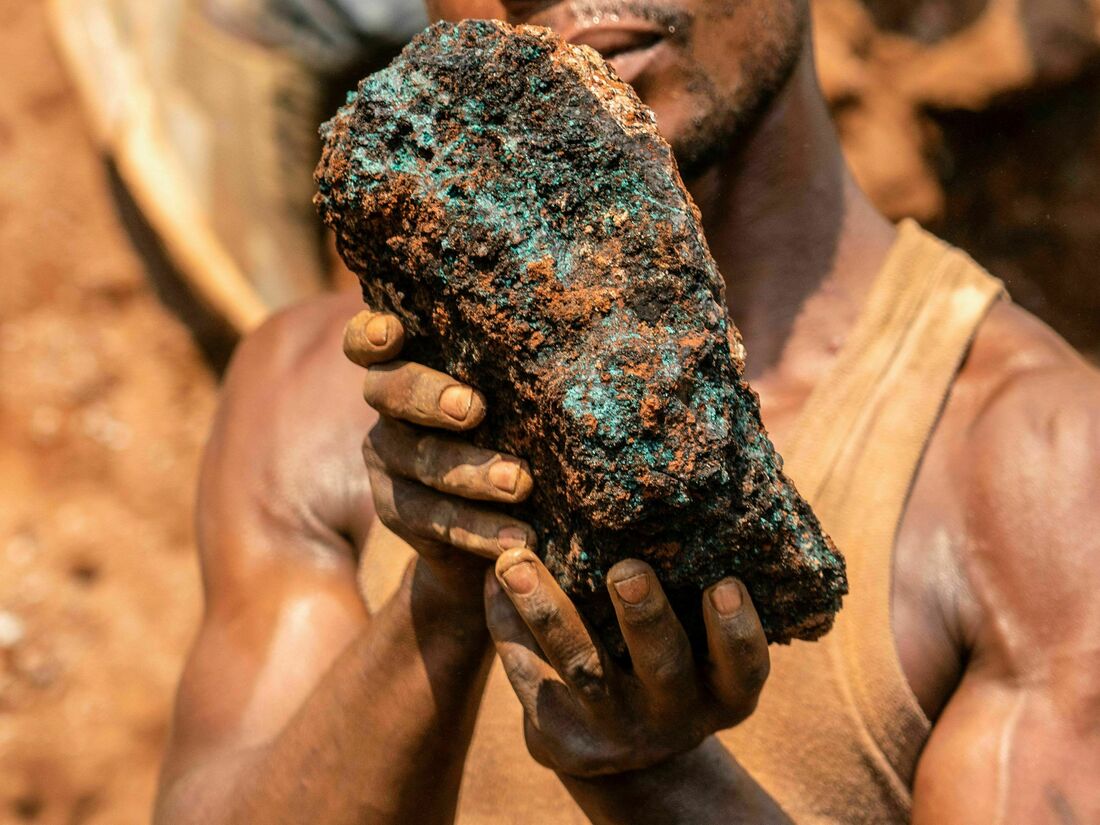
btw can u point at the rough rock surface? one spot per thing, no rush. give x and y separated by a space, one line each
510 199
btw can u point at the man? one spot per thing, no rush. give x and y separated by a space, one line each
946 438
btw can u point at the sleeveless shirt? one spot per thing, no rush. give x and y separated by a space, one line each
837 733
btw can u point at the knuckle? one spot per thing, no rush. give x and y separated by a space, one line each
742 640
585 765
746 654
737 699
373 384
540 614
726 716
755 674
370 454
426 459
507 633
442 519
588 759
387 513
670 669
537 745
735 709
584 673
648 614
573 750
516 662
748 707
386 384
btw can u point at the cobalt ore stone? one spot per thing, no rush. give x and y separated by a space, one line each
509 198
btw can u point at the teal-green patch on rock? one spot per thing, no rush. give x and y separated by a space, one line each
510 199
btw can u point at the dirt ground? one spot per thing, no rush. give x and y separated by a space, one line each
104 405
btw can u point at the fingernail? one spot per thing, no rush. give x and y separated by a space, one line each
633 590
504 475
378 330
456 402
512 538
521 578
727 598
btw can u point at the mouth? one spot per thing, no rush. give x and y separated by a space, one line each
628 47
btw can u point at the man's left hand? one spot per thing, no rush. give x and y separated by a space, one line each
586 715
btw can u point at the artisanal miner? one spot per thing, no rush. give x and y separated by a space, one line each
509 198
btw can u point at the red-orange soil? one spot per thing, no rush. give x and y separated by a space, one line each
104 405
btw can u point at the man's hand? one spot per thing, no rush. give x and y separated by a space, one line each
585 715
423 480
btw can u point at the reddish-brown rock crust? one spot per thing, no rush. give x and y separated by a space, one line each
510 199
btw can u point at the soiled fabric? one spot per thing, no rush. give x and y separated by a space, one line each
838 731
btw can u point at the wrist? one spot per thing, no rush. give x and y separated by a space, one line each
702 785
447 595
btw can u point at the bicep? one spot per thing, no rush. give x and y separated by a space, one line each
1009 752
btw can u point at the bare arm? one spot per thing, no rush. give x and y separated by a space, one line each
380 737
1019 742
295 705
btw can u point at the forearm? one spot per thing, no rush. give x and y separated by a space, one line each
381 739
702 787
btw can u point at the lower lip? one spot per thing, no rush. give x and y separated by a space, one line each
629 66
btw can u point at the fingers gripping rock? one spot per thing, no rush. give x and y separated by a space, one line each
509 198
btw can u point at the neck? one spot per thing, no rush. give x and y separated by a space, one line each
796 240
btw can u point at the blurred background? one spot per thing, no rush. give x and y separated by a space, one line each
155 162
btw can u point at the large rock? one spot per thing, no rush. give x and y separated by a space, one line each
510 199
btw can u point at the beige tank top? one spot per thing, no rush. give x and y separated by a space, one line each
838 731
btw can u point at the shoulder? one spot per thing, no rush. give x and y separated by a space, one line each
288 379
305 334
1036 407
1018 734
284 451
1031 481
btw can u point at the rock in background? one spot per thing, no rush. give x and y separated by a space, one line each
981 118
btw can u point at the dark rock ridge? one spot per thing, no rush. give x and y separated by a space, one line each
510 199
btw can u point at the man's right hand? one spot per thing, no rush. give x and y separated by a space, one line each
425 480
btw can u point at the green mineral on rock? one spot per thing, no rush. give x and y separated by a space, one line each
509 198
